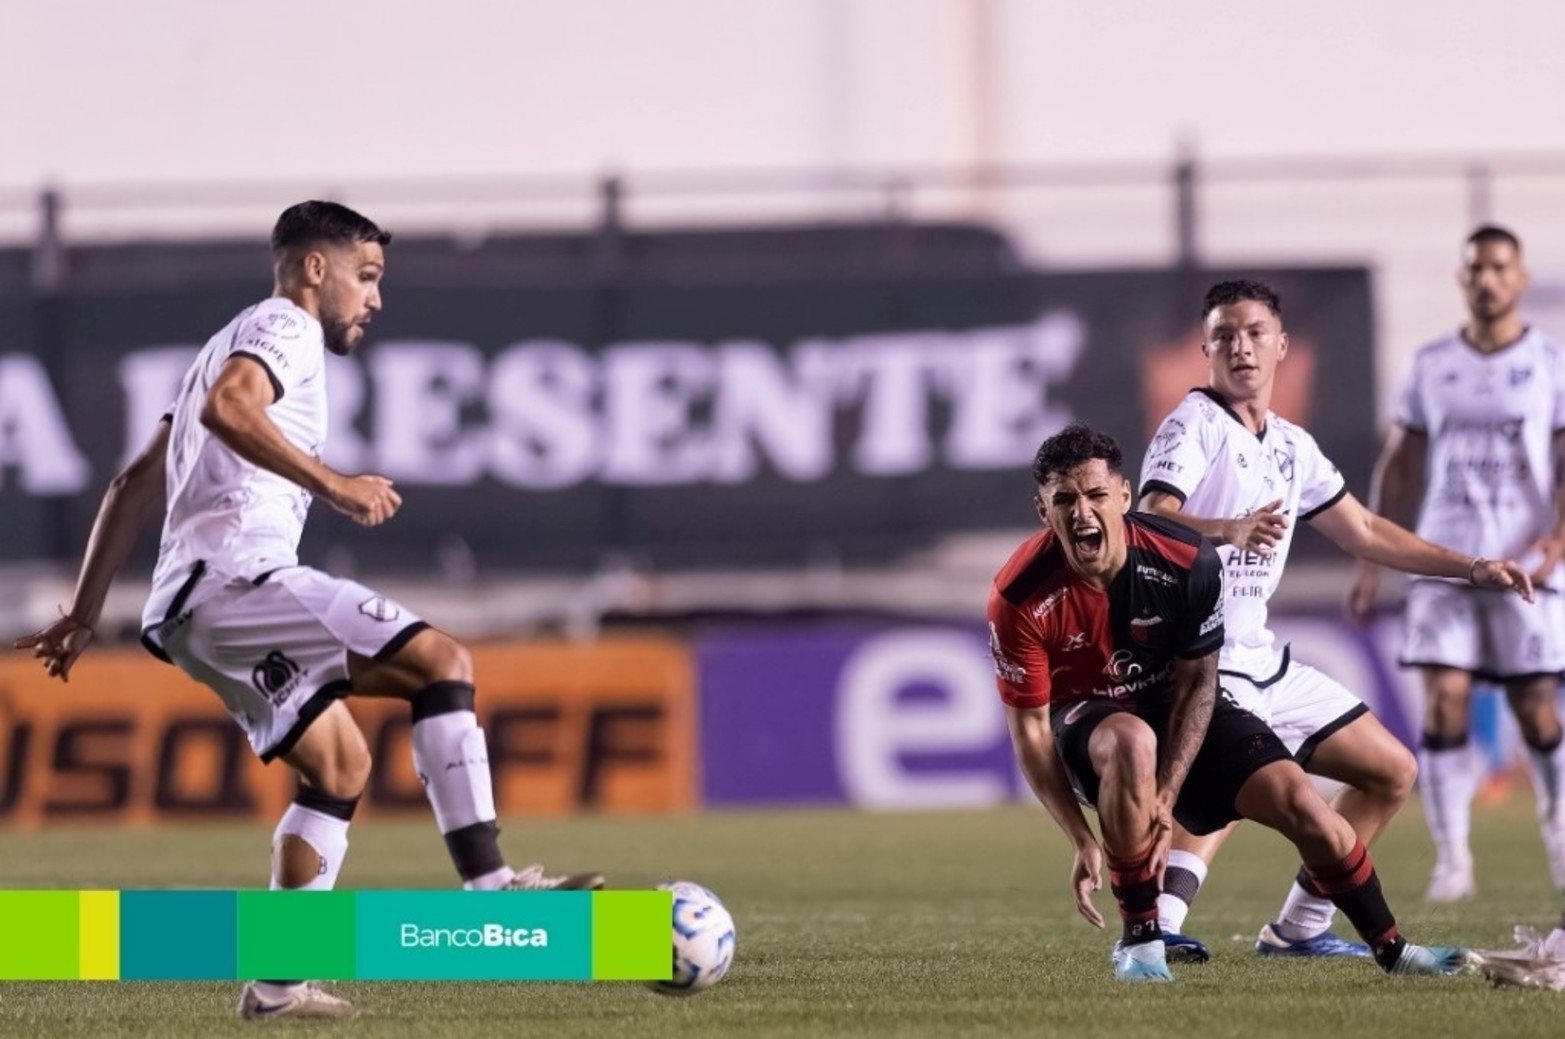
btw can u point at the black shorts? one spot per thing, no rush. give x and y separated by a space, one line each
1237 745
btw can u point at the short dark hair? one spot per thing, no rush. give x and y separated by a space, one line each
305 223
1488 233
1227 293
1072 446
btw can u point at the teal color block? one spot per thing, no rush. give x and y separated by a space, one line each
178 935
474 935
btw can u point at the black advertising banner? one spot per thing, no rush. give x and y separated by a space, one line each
684 424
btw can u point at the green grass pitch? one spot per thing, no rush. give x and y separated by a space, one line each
951 923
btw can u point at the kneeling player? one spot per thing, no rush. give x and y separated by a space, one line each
1105 630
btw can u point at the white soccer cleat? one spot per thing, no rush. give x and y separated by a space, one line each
1144 961
533 878
306 999
1451 881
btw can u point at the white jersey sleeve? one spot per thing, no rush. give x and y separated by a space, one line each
279 340
1321 484
1411 411
1180 453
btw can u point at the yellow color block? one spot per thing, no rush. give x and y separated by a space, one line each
99 923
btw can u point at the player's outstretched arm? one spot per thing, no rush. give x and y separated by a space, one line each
1394 490
235 413
133 496
1258 532
1034 744
1376 539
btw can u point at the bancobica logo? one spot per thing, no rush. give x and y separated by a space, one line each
380 609
275 676
489 936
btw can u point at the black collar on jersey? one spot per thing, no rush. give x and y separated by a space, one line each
1221 403
1461 337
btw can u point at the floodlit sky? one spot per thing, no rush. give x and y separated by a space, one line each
192 90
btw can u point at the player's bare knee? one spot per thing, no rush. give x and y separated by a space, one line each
1125 747
353 773
1395 776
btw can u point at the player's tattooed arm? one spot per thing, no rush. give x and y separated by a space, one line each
132 498
1195 697
1033 741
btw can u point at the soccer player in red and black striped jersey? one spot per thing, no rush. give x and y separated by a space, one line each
1105 629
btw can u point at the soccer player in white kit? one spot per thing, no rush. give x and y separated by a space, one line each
1224 464
1480 430
238 458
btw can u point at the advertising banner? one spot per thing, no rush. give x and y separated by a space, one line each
688 423
607 726
908 716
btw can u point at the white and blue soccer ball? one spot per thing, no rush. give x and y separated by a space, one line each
703 940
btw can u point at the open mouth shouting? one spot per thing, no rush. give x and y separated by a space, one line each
1087 539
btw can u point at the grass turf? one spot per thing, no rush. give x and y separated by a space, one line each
849 924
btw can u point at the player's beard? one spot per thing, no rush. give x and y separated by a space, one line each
337 335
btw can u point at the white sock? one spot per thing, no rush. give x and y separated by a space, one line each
1174 905
1547 769
1447 781
326 834
1303 916
452 760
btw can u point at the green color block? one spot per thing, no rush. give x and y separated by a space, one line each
296 934
474 935
40 930
632 935
177 935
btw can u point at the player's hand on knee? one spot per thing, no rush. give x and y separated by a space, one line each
1087 877
1502 573
1162 835
368 500
58 645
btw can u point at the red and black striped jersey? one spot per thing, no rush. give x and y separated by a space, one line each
1058 639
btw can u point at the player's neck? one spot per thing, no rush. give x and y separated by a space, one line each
1251 411
301 297
1489 337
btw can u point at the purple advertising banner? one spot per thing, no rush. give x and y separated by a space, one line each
906 716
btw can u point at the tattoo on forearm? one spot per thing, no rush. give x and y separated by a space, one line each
1195 695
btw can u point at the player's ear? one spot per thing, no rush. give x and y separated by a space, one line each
313 267
1282 345
1037 506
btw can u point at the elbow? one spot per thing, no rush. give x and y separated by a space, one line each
219 414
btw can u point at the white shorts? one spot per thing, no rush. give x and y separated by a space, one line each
1495 635
1302 705
276 648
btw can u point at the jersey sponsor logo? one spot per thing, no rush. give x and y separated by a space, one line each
1076 641
275 676
1133 684
1508 427
379 609
1050 602
1520 376
1214 621
1156 575
1141 627
282 324
1122 665
1007 669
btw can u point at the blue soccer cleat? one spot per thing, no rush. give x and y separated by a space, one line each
1143 961
1270 943
1181 948
1430 960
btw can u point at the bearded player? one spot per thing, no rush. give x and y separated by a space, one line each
238 458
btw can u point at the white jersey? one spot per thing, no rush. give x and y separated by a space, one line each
1204 455
1490 418
236 518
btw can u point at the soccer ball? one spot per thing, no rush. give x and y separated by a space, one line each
703 940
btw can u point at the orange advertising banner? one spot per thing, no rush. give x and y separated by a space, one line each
604 726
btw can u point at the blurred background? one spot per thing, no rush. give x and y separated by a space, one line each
718 339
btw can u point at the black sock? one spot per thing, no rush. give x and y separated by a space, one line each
1354 888
475 849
